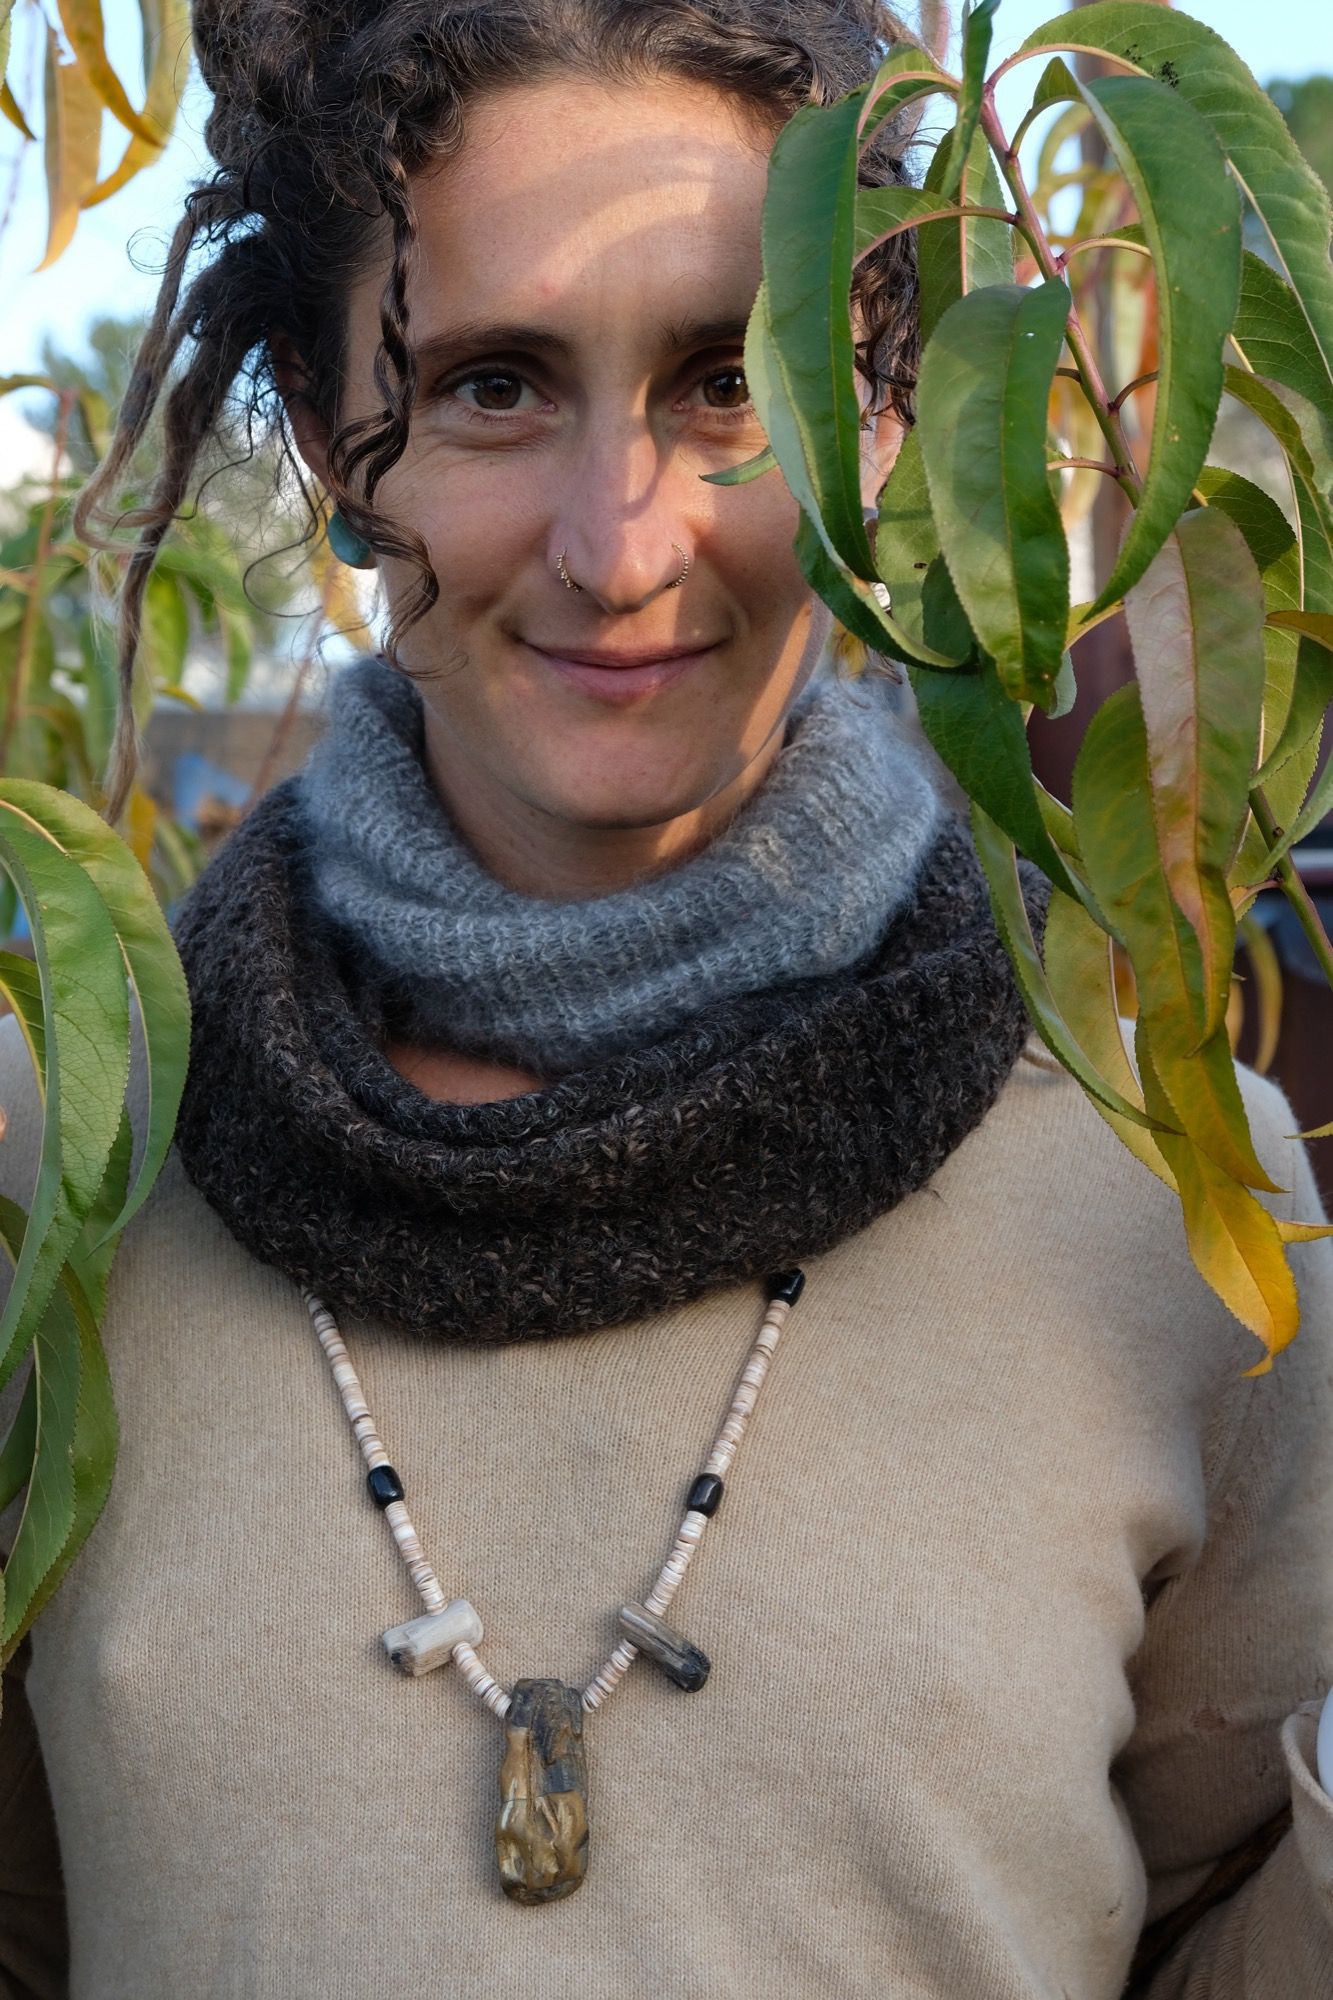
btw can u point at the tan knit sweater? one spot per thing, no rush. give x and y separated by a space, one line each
945 1752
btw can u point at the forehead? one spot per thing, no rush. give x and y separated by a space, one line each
584 198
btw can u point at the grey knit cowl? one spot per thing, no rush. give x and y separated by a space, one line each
763 1129
799 885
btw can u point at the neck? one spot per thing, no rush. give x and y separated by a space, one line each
538 854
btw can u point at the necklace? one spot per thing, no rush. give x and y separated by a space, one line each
541 1833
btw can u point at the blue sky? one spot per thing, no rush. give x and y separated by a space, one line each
98 272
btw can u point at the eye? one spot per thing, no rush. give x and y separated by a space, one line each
726 389
497 390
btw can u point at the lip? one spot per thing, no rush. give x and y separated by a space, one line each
621 677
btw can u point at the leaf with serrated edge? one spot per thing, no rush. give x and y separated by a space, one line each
86 34
999 858
968 254
977 23
86 1005
74 1448
149 953
1077 955
981 416
978 734
1117 838
1196 625
1190 213
1205 73
166 60
72 140
1234 1241
809 227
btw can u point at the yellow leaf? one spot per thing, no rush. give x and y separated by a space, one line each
6 9
166 42
86 35
73 137
1304 1232
1236 1245
1319 1132
141 825
1078 957
1268 985
9 104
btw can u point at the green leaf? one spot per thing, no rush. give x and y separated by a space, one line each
1113 820
1210 77
21 984
149 954
92 1256
978 734
1190 214
1000 861
981 415
238 638
741 475
1077 954
977 22
166 628
74 1448
1057 84
809 234
907 543
882 212
1196 624
86 1008
853 602
954 258
16 1453
1305 435
1275 337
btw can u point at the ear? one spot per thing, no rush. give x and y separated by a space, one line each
879 449
308 429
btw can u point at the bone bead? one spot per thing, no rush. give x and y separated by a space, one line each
541 1835
681 1662
426 1643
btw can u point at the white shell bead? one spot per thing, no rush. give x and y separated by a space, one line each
426 1643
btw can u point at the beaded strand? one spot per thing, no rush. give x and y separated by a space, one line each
702 1501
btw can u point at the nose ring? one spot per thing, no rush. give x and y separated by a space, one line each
674 584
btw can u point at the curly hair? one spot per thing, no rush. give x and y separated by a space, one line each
323 111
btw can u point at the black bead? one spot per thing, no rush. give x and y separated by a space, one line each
787 1285
385 1485
705 1496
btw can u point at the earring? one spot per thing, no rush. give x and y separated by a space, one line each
346 544
564 574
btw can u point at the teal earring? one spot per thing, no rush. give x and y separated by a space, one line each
346 544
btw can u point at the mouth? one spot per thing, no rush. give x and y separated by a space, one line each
620 677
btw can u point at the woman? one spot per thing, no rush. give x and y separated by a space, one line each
612 966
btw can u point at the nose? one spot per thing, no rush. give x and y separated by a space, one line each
619 529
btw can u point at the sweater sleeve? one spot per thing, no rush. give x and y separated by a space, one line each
1220 1777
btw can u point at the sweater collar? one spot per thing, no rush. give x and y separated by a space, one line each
762 1132
801 884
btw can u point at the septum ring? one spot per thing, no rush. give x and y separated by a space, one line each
674 584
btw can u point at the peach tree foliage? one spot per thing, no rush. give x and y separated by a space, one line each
1193 782
102 955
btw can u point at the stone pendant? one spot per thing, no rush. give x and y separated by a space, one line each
541 1835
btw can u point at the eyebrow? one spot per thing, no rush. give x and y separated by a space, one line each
469 336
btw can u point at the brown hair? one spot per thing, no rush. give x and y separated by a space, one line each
323 110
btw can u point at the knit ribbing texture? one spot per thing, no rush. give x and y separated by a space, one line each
801 883
764 1131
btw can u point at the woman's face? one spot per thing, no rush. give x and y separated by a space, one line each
587 264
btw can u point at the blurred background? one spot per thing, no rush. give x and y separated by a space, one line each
101 135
